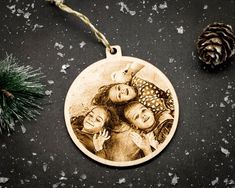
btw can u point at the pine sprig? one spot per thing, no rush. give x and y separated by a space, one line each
20 89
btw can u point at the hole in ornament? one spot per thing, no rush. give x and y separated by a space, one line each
113 51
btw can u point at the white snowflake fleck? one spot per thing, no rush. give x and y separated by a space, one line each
205 7
82 44
229 182
225 141
60 54
58 46
44 167
83 176
27 15
180 30
71 59
227 100
4 146
174 180
32 140
34 177
34 154
62 173
186 152
37 26
215 181
56 185
64 67
4 179
63 178
171 60
125 9
12 8
225 151
222 105
163 5
154 8
48 92
107 7
23 129
121 181
50 82
150 19
29 163
52 158
170 174
75 171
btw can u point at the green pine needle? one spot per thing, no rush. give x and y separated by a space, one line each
20 89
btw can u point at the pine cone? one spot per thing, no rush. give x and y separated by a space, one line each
216 44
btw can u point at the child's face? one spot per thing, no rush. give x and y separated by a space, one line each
140 116
95 120
121 93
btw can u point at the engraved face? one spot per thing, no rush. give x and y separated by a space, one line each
140 116
95 120
121 93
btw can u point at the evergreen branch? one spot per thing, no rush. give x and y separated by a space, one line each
20 89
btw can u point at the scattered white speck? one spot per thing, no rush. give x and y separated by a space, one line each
37 26
227 100
44 167
107 7
174 180
171 60
213 182
83 176
48 92
34 177
154 8
150 19
50 82
4 146
186 152
170 174
82 44
62 173
60 54
121 181
12 8
71 59
23 129
180 30
205 7
163 5
58 46
225 141
75 171
64 67
125 9
27 15
32 140
29 163
202 140
3 179
225 151
63 178
34 154
222 105
56 185
229 182
233 105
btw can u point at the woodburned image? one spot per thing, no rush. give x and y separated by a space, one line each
121 111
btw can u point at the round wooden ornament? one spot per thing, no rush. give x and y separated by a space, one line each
121 111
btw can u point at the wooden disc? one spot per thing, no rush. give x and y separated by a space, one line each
121 111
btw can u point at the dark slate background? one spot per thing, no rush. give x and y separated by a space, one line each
43 155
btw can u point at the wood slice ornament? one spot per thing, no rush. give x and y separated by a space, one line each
121 111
